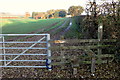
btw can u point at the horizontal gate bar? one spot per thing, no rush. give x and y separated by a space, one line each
26 60
23 54
22 34
25 42
26 66
25 50
21 48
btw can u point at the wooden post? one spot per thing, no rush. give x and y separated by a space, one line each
93 65
74 71
62 53
100 34
75 65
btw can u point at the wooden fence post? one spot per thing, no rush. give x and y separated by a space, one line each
62 53
93 64
100 34
74 71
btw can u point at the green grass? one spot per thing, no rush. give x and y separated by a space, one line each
73 31
22 26
63 27
59 24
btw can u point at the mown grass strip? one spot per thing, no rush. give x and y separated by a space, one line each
62 28
60 23
73 31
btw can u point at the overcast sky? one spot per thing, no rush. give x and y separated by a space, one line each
22 6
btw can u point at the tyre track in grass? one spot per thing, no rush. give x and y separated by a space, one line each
54 28
59 27
63 31
53 32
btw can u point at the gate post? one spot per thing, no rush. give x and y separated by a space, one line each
3 38
0 59
48 61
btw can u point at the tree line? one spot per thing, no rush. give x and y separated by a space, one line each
73 11
107 14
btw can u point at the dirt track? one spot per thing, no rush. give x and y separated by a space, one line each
62 32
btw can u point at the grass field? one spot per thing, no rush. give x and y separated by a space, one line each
73 31
22 26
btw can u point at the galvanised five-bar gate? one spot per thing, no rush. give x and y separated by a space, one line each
43 40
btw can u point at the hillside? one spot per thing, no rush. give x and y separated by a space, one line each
23 26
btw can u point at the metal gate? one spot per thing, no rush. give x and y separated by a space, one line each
10 44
